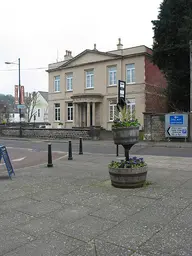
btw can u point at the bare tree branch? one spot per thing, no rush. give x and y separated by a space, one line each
30 102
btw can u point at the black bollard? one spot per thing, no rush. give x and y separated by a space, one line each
117 150
50 164
80 146
70 157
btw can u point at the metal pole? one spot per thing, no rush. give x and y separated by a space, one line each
50 164
80 146
20 130
70 157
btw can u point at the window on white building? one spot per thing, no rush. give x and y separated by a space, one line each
89 79
69 82
131 107
112 75
57 83
70 111
130 73
39 112
57 112
113 112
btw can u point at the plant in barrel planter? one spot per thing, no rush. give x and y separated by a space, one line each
131 172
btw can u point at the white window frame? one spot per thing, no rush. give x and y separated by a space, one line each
57 112
131 105
57 83
113 105
69 82
112 73
90 82
131 69
38 112
70 113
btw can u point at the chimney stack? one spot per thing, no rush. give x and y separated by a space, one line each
119 45
68 55
95 47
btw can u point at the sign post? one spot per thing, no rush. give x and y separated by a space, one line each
121 93
5 156
176 125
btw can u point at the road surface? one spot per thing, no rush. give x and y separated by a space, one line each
98 147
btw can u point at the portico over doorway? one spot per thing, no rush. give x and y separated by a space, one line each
87 109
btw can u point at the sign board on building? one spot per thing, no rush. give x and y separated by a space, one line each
5 156
176 125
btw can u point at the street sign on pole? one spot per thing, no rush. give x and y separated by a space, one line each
121 93
20 106
176 125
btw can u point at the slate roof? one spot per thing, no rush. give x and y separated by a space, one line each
44 95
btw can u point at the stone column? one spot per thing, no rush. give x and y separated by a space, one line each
84 115
88 114
77 115
93 113
74 114
80 115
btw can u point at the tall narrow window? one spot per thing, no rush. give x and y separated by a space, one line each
70 111
130 73
57 84
112 75
113 112
131 107
89 79
69 82
57 112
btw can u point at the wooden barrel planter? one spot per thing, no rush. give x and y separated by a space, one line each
128 177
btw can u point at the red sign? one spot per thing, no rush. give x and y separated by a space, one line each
22 100
16 94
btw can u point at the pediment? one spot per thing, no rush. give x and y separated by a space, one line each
89 56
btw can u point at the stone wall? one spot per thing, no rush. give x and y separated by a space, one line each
52 133
154 126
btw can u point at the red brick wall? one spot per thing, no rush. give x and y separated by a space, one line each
155 100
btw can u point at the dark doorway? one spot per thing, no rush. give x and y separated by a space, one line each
91 117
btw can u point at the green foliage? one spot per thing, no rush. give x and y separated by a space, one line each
125 119
172 33
132 163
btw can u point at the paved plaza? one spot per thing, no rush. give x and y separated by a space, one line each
72 209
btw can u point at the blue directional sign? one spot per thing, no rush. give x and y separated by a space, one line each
176 119
176 125
5 156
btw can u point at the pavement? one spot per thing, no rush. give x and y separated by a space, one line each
72 209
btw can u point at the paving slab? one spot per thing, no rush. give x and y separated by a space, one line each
11 239
13 218
87 228
39 208
122 208
16 203
129 234
52 244
100 248
70 213
40 226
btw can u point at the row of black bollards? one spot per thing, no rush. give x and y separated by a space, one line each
70 154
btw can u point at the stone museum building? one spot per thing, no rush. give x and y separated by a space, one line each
83 89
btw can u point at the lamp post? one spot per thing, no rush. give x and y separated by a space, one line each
19 70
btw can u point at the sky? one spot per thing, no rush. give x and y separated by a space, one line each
39 31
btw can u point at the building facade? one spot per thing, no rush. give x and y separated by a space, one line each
40 108
83 89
